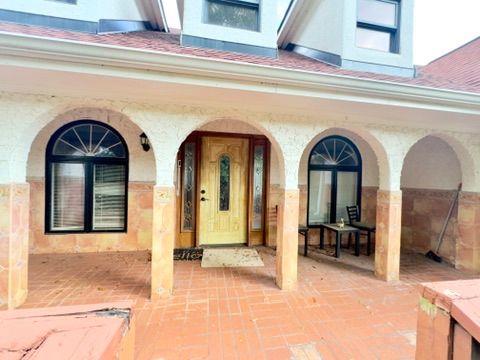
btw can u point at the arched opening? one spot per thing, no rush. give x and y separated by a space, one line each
430 178
334 180
86 176
338 168
91 185
227 176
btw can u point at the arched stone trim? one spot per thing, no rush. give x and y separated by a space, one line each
378 148
464 152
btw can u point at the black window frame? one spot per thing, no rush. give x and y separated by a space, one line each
69 2
89 162
254 4
393 31
334 169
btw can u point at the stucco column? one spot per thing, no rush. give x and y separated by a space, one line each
14 220
163 238
389 223
287 239
468 241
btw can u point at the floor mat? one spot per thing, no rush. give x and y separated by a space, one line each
187 254
231 257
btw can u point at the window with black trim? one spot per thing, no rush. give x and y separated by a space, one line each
86 179
242 14
334 180
378 25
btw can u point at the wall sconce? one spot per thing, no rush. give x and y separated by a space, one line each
144 142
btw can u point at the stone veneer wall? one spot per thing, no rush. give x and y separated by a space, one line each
14 220
423 215
139 227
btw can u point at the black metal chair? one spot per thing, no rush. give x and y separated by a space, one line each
354 220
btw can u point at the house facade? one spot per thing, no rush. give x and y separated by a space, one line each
120 134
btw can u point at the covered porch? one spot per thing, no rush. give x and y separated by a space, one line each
338 311
401 180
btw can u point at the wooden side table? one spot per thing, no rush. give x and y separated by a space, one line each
339 231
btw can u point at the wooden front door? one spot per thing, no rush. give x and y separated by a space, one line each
223 191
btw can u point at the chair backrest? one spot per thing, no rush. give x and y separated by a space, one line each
353 213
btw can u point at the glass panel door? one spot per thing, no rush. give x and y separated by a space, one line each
320 194
346 193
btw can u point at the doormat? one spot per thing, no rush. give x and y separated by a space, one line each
231 257
187 254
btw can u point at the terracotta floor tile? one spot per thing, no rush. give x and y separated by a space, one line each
340 310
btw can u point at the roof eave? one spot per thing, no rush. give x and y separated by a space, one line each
128 62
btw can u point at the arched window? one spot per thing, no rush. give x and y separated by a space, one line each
334 180
86 179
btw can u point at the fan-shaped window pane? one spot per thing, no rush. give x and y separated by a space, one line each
89 140
334 152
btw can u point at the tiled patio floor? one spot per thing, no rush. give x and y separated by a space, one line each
339 311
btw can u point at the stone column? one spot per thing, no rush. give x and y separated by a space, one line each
287 240
389 223
468 240
163 239
14 222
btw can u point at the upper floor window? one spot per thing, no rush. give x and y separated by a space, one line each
378 25
242 14
86 179
73 2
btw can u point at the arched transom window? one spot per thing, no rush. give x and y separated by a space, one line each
86 179
334 180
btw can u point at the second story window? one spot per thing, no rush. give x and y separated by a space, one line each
378 25
242 14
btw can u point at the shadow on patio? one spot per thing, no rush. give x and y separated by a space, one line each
338 311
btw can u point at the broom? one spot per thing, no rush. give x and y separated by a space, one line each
433 255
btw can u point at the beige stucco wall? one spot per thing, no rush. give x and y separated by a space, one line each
431 164
168 125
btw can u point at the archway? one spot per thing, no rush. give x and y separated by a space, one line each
363 186
135 234
431 174
264 176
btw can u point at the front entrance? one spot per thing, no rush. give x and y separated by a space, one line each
223 190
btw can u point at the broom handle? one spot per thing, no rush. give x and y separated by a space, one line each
450 211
